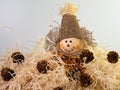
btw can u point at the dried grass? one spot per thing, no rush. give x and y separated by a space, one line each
106 76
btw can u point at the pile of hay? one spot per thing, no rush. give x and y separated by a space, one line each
106 76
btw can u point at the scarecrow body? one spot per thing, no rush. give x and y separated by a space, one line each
71 45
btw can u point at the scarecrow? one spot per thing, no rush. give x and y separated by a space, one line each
72 46
71 42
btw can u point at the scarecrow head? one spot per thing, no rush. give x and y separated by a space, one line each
72 38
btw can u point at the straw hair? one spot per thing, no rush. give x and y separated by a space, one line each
69 8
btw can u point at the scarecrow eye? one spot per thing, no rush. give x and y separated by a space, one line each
66 41
70 41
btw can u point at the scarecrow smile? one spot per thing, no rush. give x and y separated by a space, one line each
69 49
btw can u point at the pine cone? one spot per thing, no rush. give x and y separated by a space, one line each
85 80
7 74
42 66
89 56
112 57
17 57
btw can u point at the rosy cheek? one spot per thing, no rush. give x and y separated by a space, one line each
61 45
77 47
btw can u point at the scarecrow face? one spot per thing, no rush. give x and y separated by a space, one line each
70 45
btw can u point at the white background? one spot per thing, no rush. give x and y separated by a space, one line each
31 20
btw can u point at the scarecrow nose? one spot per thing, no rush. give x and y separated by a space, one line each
68 45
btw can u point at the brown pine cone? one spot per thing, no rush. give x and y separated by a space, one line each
112 57
89 56
7 74
17 57
42 66
85 80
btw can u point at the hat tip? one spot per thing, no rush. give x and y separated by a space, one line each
69 8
